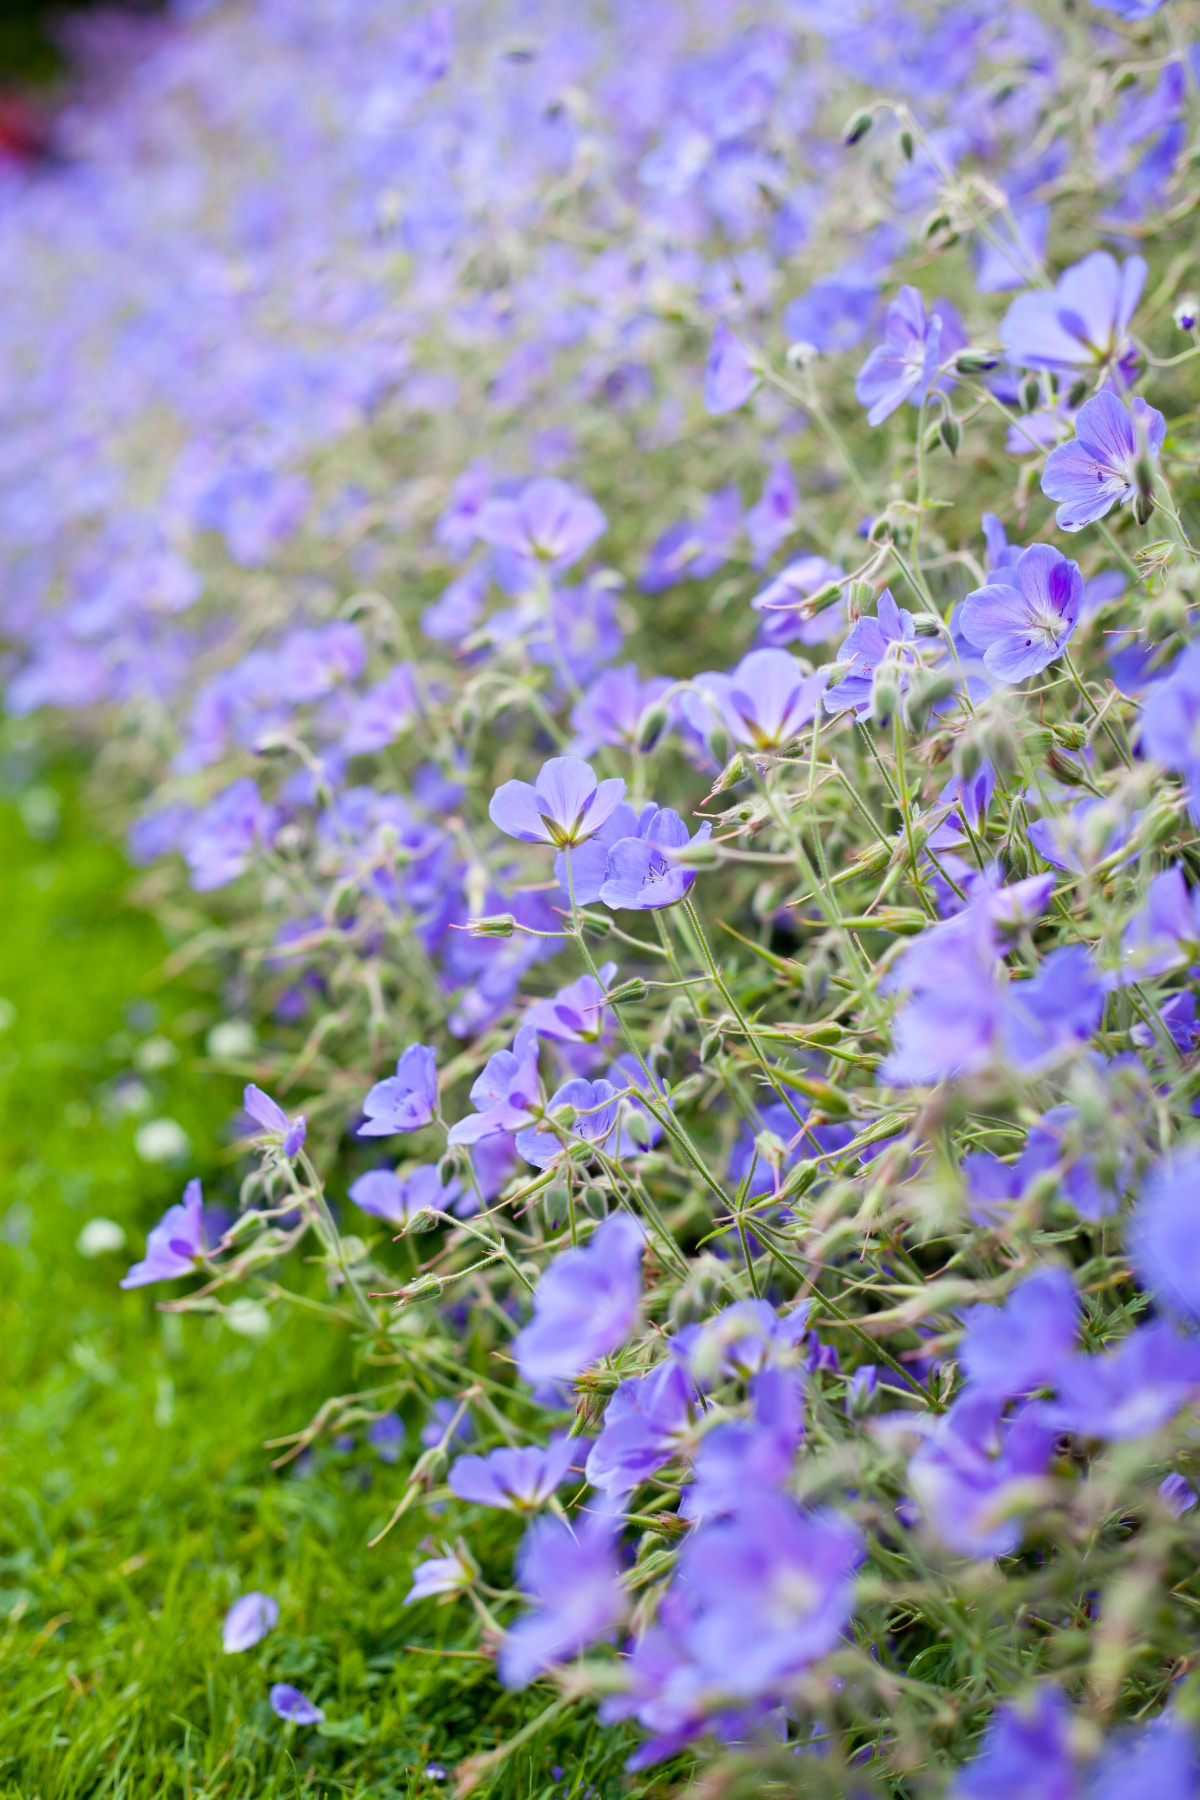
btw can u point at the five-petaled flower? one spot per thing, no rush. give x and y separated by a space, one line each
565 805
1098 469
1023 619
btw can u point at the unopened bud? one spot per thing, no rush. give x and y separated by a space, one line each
1031 393
976 362
556 1203
950 432
933 438
1077 393
1187 313
925 625
651 726
885 694
1160 821
1065 768
928 688
1143 507
710 1044
862 595
935 224
968 755
906 144
719 746
1070 734
824 598
857 127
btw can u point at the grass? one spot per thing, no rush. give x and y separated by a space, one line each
136 1498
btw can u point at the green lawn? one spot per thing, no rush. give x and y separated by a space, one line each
136 1498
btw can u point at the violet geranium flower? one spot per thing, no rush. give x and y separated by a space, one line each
398 1198
248 1621
642 873
1010 1350
1023 619
1026 1750
1083 323
175 1245
572 1576
730 377
870 642
764 702
1130 1390
1164 1242
293 1707
594 1110
565 805
1097 469
518 1480
905 365
548 522
406 1100
585 1304
1170 730
505 1094
286 1134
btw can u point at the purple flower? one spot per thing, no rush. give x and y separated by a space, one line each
406 1100
576 1014
1157 1759
505 1094
593 1109
288 1703
1055 1011
952 1022
386 1437
641 873
175 1245
886 637
1165 932
565 805
441 1577
398 1198
382 713
904 366
644 1424
1098 469
1023 619
248 1621
1083 323
1025 1754
516 1480
1177 1494
273 1122
223 837
1009 1350
730 377
784 604
548 522
743 1456
442 1414
585 1304
695 550
572 1576
977 1469
1129 1391
612 709
764 702
1171 726
772 521
1164 1240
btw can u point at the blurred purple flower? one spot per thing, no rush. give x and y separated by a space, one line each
386 1437
505 1093
549 522
871 641
248 1621
516 1480
273 1122
1026 1754
771 521
904 366
593 1105
398 1198
175 1245
1170 729
1130 1390
1164 1242
730 377
289 1704
585 1304
764 702
571 1574
1009 1350
1083 323
977 1470
644 1424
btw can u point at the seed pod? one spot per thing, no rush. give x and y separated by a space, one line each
735 770
857 127
493 925
626 992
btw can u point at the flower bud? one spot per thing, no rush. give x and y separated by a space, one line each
556 1203
1187 313
906 144
1077 393
626 992
597 924
950 432
1065 768
719 746
928 688
824 598
711 1043
857 127
976 362
1031 393
1070 734
933 438
885 694
651 726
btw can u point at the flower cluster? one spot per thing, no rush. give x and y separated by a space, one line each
647 605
